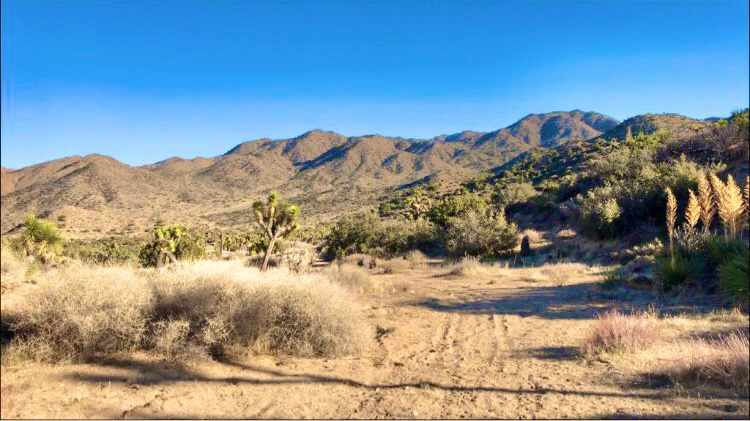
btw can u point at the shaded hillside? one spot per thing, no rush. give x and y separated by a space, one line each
325 171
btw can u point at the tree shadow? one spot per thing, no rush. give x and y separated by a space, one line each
579 301
555 353
152 373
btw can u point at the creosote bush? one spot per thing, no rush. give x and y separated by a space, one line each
480 234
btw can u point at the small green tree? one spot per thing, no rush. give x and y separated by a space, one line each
41 239
275 220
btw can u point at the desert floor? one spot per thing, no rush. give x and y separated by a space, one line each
496 345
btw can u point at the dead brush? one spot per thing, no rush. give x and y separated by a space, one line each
614 331
206 306
81 311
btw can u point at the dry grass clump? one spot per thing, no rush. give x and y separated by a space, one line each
396 265
12 269
298 319
79 311
416 259
723 362
352 277
471 266
207 306
614 331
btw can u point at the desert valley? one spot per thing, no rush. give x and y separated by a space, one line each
374 210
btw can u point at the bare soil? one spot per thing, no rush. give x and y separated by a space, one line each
501 345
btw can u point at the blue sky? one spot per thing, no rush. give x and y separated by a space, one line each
145 80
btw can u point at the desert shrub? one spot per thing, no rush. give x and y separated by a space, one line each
80 311
480 234
210 306
112 251
456 206
228 305
600 213
170 337
614 331
365 233
723 362
351 234
171 242
734 278
41 239
514 193
351 277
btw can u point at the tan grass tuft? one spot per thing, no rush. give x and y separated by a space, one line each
471 266
352 277
617 332
723 362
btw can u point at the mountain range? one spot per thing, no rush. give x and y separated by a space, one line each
327 172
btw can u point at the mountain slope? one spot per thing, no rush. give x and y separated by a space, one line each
325 171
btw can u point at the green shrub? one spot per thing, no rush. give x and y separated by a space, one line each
109 251
456 205
171 242
480 234
734 278
351 234
600 213
680 269
367 234
514 193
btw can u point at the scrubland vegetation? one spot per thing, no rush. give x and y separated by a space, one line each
208 307
596 222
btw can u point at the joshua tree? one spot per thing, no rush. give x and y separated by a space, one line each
276 220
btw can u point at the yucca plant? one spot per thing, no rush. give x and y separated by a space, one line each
692 212
706 202
671 217
729 203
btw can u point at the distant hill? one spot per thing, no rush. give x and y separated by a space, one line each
327 172
677 125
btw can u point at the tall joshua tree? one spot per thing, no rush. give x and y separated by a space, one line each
276 220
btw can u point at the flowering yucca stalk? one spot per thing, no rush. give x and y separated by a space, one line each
729 203
692 212
746 199
706 202
671 216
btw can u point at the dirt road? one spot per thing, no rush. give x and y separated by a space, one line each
500 346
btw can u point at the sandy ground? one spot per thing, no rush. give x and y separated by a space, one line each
493 346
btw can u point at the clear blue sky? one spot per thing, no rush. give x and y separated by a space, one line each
145 80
